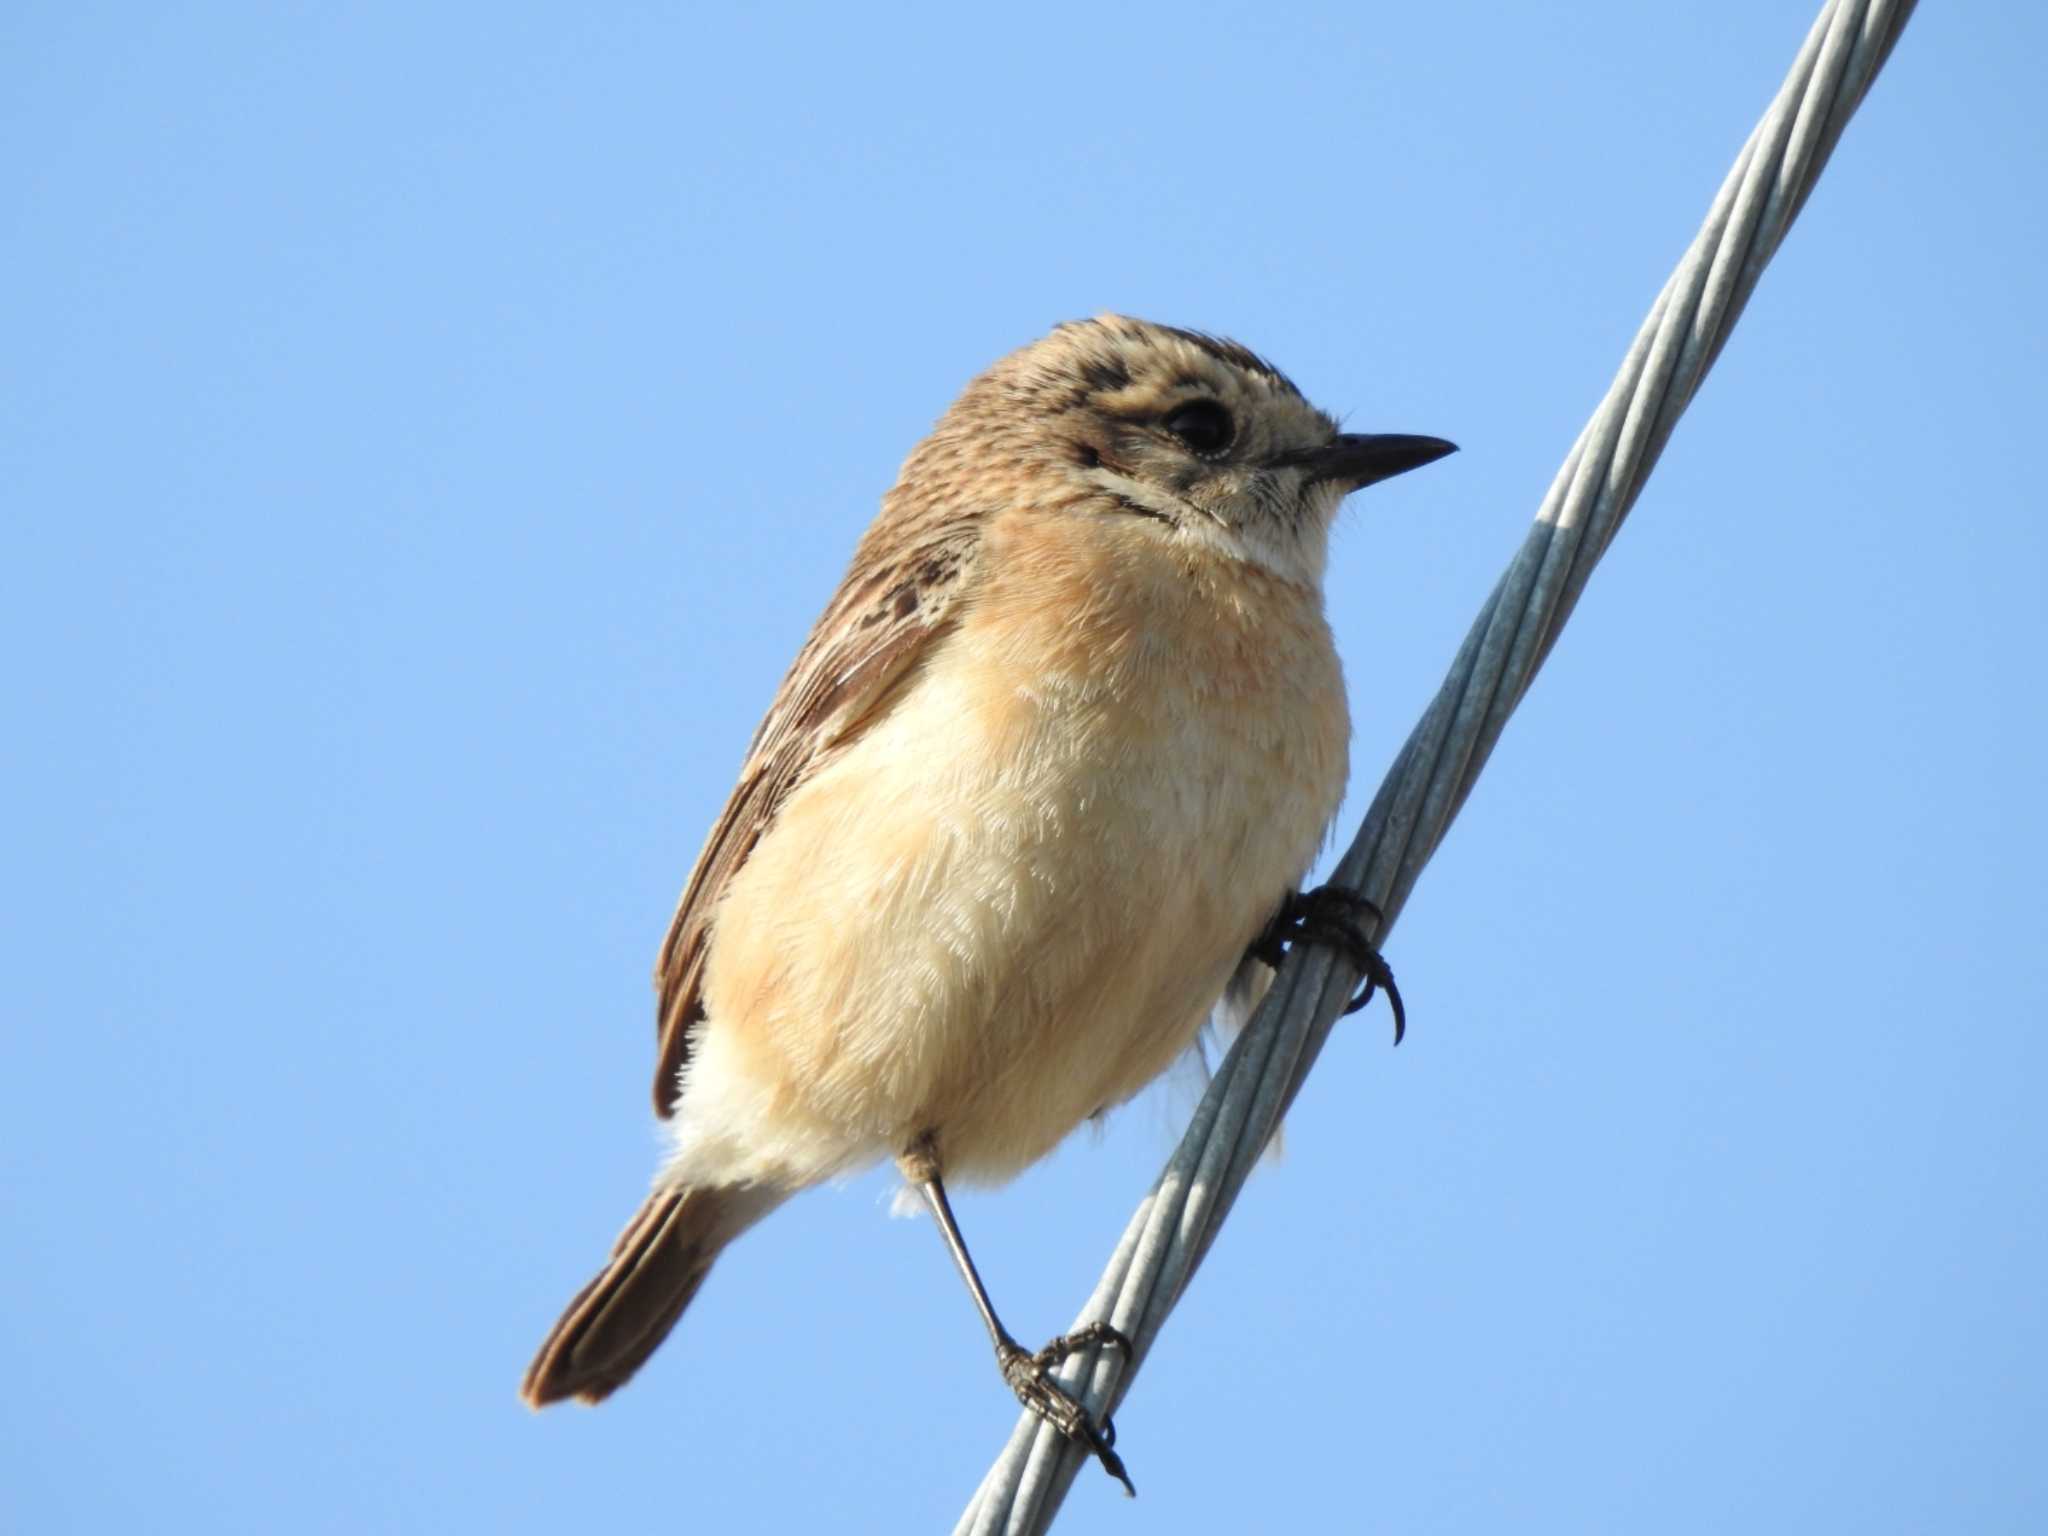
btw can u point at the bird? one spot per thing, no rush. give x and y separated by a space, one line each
1042 783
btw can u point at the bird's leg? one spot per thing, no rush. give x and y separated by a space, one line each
1340 916
1028 1373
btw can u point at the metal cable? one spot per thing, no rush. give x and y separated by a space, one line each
1598 483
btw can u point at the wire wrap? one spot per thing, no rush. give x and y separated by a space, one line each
1600 479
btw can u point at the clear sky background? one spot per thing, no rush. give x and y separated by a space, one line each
426 433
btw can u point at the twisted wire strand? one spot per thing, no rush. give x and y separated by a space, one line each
1434 772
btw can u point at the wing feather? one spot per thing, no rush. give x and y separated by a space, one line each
902 590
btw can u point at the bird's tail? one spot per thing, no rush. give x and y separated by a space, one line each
618 1319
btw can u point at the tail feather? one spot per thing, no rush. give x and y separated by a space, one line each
618 1320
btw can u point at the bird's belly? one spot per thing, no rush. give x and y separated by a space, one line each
1000 911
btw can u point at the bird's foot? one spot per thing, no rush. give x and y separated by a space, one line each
1339 916
1030 1377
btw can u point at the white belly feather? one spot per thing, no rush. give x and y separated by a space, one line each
1008 905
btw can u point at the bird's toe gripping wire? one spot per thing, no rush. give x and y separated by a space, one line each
1338 916
1030 1377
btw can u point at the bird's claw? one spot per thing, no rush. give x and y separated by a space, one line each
1030 1377
1336 915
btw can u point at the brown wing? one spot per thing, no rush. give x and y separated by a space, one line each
900 591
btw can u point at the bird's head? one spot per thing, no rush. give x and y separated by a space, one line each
1115 416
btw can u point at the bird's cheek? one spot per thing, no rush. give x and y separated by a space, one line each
1323 501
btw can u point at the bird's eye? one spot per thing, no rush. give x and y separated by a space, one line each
1203 426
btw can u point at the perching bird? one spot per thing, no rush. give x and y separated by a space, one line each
1061 747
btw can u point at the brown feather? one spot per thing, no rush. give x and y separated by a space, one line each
896 596
659 1261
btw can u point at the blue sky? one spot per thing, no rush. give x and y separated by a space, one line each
429 432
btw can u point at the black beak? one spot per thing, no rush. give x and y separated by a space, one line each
1357 459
